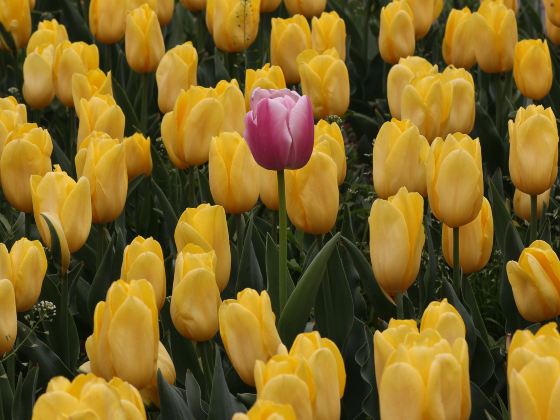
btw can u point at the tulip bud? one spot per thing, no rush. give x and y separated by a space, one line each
533 149
454 179
269 189
396 31
308 8
459 101
150 394
12 115
138 155
206 226
445 319
100 113
231 98
269 77
15 17
233 173
194 5
8 315
268 6
267 410
328 139
458 46
38 87
329 31
400 154
27 151
522 204
552 9
107 20
510 4
422 103
324 78
176 72
49 32
102 161
532 68
85 86
164 11
143 40
396 240
234 23
248 331
552 31
424 14
288 38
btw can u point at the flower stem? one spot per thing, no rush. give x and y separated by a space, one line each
400 305
63 313
144 104
534 219
456 262
283 254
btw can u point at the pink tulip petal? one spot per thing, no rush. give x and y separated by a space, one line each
260 94
300 125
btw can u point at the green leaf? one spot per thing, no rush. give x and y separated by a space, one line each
500 213
77 27
168 210
103 278
481 404
222 403
172 406
6 394
249 271
470 300
194 398
24 397
55 248
271 257
482 362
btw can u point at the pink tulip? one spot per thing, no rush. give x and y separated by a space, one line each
279 129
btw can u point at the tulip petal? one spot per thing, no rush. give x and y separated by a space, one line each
401 383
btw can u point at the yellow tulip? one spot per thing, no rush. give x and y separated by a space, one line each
475 241
125 335
268 6
533 149
8 316
27 151
422 102
143 40
196 297
15 16
234 24
101 159
143 259
150 394
328 139
107 20
71 58
206 226
324 78
99 113
12 115
312 196
269 188
267 410
535 281
194 5
269 77
552 9
248 331
288 38
138 155
532 68
176 71
458 46
424 14
94 82
445 319
396 31
67 205
459 104
49 32
496 35
38 85
522 204
329 31
164 11
308 8
396 240
400 154
454 179
233 173
231 98
552 31
510 4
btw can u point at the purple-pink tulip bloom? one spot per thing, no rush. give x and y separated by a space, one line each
279 129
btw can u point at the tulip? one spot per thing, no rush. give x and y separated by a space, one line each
308 8
510 4
522 204
231 98
233 173
459 105
532 68
269 189
125 335
496 35
396 240
458 46
401 75
475 241
206 226
535 282
176 72
86 86
329 31
101 159
288 38
445 319
324 78
552 32
269 77
454 179
280 129
533 150
424 14
15 17
49 32
8 316
138 155
396 31
196 297
267 410
552 9
38 85
71 58
422 103
143 259
143 40
400 154
248 331
234 24
12 115
27 151
328 139
100 113
164 11
67 205
107 20
268 6
194 5
150 394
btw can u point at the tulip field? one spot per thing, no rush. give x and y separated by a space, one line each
279 209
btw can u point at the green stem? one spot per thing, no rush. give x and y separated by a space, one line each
28 217
144 104
400 306
11 370
64 313
240 233
283 235
206 351
534 219
499 100
100 244
456 262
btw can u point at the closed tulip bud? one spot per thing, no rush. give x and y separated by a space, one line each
206 226
510 4
534 279
38 85
164 11
107 20
100 113
329 31
143 40
552 9
196 297
401 75
8 316
27 151
424 14
176 71
533 149
268 6
49 32
269 189
231 98
532 68
94 82
143 259
269 77
194 5
288 38
400 154
328 139
396 31
396 240
458 46
459 105
138 155
522 204
12 115
248 331
235 23
101 159
308 8
552 31
475 241
445 319
496 35
267 410
324 78
15 16
454 179
150 394
233 173
71 58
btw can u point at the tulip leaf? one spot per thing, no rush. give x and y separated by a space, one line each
6 394
482 368
271 257
55 247
222 404
491 143
168 211
470 301
77 27
172 405
103 278
194 397
249 272
24 396
500 213
481 405
121 97
453 299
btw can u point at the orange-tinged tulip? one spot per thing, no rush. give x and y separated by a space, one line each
49 32
268 77
143 40
94 82
38 84
552 9
328 139
458 46
164 11
552 31
138 155
100 113
308 8
8 316
396 31
329 31
522 204
107 20
288 38
532 68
